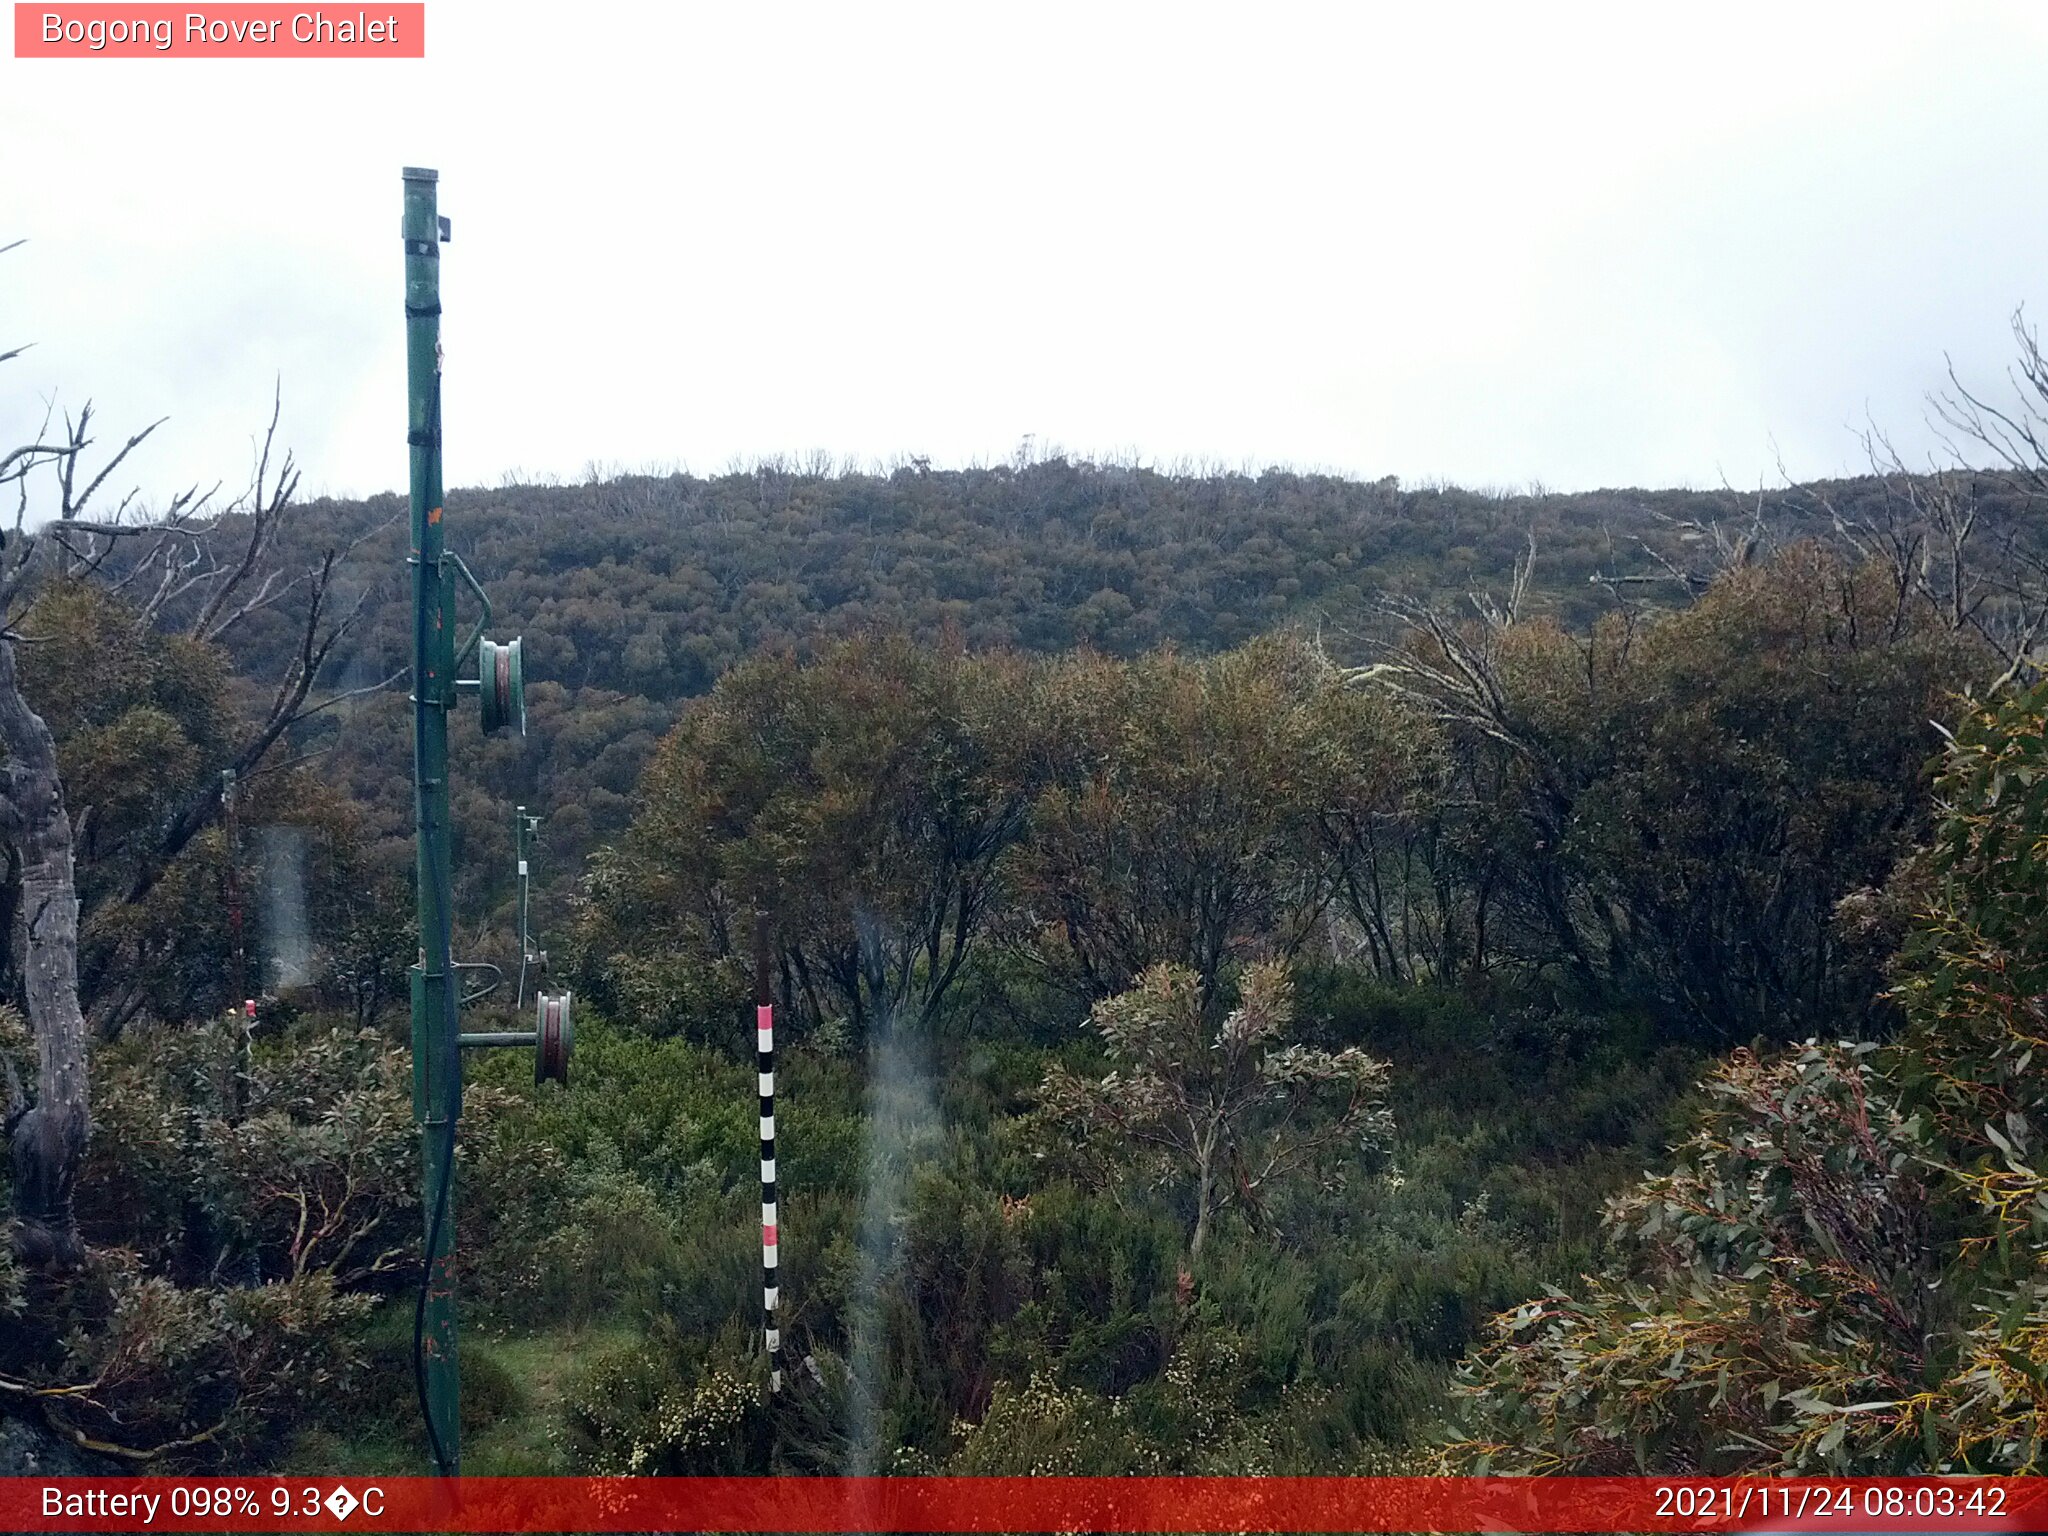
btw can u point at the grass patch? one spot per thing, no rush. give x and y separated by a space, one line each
512 1385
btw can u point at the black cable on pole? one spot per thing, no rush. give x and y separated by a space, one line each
419 1311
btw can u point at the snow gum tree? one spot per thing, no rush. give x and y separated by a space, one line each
1222 1112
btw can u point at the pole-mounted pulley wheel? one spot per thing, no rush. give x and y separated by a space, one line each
499 682
551 1039
554 1037
501 686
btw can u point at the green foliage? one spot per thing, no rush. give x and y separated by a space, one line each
867 801
1669 810
1103 1288
963 1278
1227 1113
1978 960
1183 818
1769 1307
1973 1068
217 1155
1757 758
919 819
249 1202
1526 927
1535 1111
1670 807
1202 1415
141 721
641 1410
621 1196
170 1367
144 722
1845 1271
1042 1429
1040 558
626 1202
679 1115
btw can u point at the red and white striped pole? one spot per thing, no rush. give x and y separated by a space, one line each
764 1031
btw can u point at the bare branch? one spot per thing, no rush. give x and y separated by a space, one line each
28 456
72 508
352 693
266 512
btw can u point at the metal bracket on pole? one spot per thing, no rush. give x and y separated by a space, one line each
477 994
468 646
552 1039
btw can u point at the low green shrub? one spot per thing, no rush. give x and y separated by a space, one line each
669 1407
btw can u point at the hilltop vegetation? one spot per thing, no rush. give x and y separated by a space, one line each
635 594
1075 792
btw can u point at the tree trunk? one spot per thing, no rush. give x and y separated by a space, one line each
49 1138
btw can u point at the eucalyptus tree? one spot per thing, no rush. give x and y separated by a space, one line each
1672 805
1221 1112
1842 1271
866 801
1189 810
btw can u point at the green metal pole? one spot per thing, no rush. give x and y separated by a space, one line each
437 1066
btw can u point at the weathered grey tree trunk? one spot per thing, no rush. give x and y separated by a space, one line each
49 1137
1205 1199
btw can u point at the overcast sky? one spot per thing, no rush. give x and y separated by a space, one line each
1499 245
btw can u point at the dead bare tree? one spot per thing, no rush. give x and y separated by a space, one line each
1450 669
1958 541
292 700
2009 606
216 563
1959 538
1708 549
2017 434
46 1138
209 563
1456 671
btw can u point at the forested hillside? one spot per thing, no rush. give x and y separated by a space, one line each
1248 949
635 594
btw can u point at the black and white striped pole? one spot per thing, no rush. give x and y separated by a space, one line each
764 1040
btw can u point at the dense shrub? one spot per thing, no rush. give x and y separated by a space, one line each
249 1201
664 1408
1845 1271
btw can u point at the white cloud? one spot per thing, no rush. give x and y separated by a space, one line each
1491 243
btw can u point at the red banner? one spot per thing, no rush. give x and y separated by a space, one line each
934 1504
223 31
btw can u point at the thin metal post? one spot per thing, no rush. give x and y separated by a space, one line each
231 834
523 826
437 1063
241 1007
